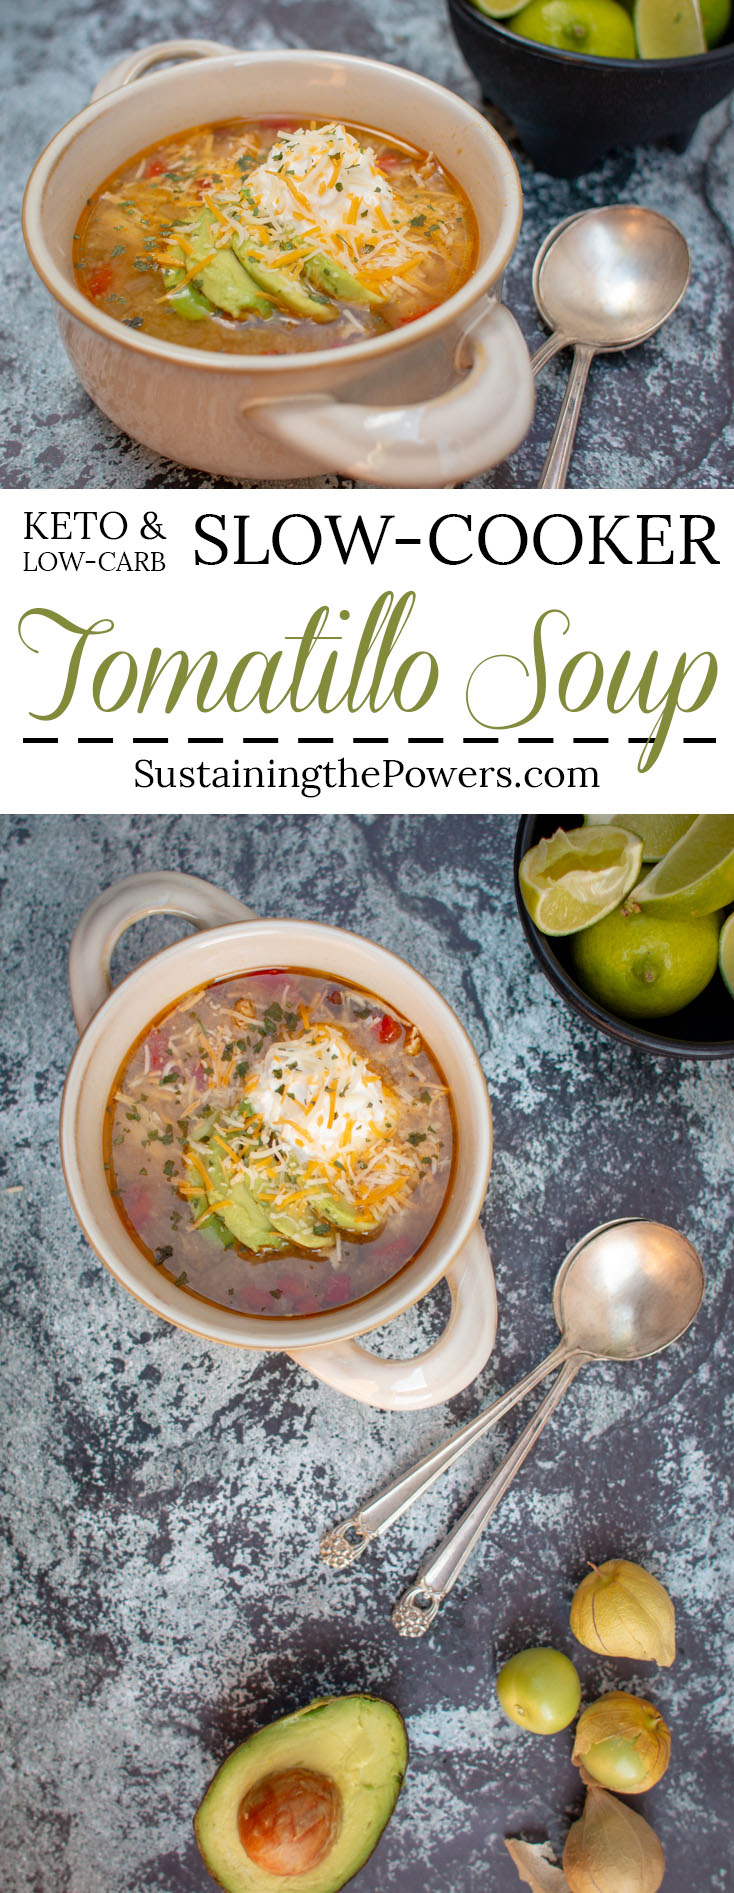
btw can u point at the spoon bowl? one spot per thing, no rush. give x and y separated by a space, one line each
628 1289
603 280
610 277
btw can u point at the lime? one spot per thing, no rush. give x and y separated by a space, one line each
657 833
540 1690
668 29
726 954
715 17
575 878
499 9
697 875
642 967
601 27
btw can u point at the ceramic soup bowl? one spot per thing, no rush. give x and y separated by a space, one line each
232 940
428 404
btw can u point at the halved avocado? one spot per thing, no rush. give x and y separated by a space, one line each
299 1807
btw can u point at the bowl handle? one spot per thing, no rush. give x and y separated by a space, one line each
116 909
422 1380
135 65
437 442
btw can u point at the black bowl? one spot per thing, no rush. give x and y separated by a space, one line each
569 108
693 1033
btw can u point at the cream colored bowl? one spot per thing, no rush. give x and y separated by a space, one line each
430 404
233 940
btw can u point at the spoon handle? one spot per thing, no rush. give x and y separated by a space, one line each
548 349
345 1542
419 1604
558 457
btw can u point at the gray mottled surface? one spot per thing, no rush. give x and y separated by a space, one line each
661 416
165 1498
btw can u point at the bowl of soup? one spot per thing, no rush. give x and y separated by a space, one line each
277 1134
271 265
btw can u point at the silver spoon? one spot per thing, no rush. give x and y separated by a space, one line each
627 1291
603 280
638 1262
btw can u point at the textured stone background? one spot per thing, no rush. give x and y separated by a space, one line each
165 1594
661 416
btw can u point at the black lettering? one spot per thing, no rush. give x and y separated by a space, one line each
211 538
359 532
697 540
433 538
607 539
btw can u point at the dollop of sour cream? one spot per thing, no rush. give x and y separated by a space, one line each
310 177
321 1095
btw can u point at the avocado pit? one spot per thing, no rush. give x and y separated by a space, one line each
289 1821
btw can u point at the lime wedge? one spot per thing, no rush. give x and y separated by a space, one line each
726 954
499 9
575 878
668 29
657 833
697 875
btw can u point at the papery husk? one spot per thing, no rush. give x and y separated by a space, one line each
535 1866
610 1849
629 1719
621 1610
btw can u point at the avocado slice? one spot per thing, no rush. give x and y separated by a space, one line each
223 283
329 276
340 1761
232 288
249 1221
294 296
213 1228
339 1211
243 1214
299 1229
188 301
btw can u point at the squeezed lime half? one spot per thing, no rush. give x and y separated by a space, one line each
573 878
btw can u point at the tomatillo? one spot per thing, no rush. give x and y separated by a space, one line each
540 1690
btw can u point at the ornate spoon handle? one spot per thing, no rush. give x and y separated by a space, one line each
417 1607
346 1541
558 457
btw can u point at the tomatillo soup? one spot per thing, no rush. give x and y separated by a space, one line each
280 1143
274 237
